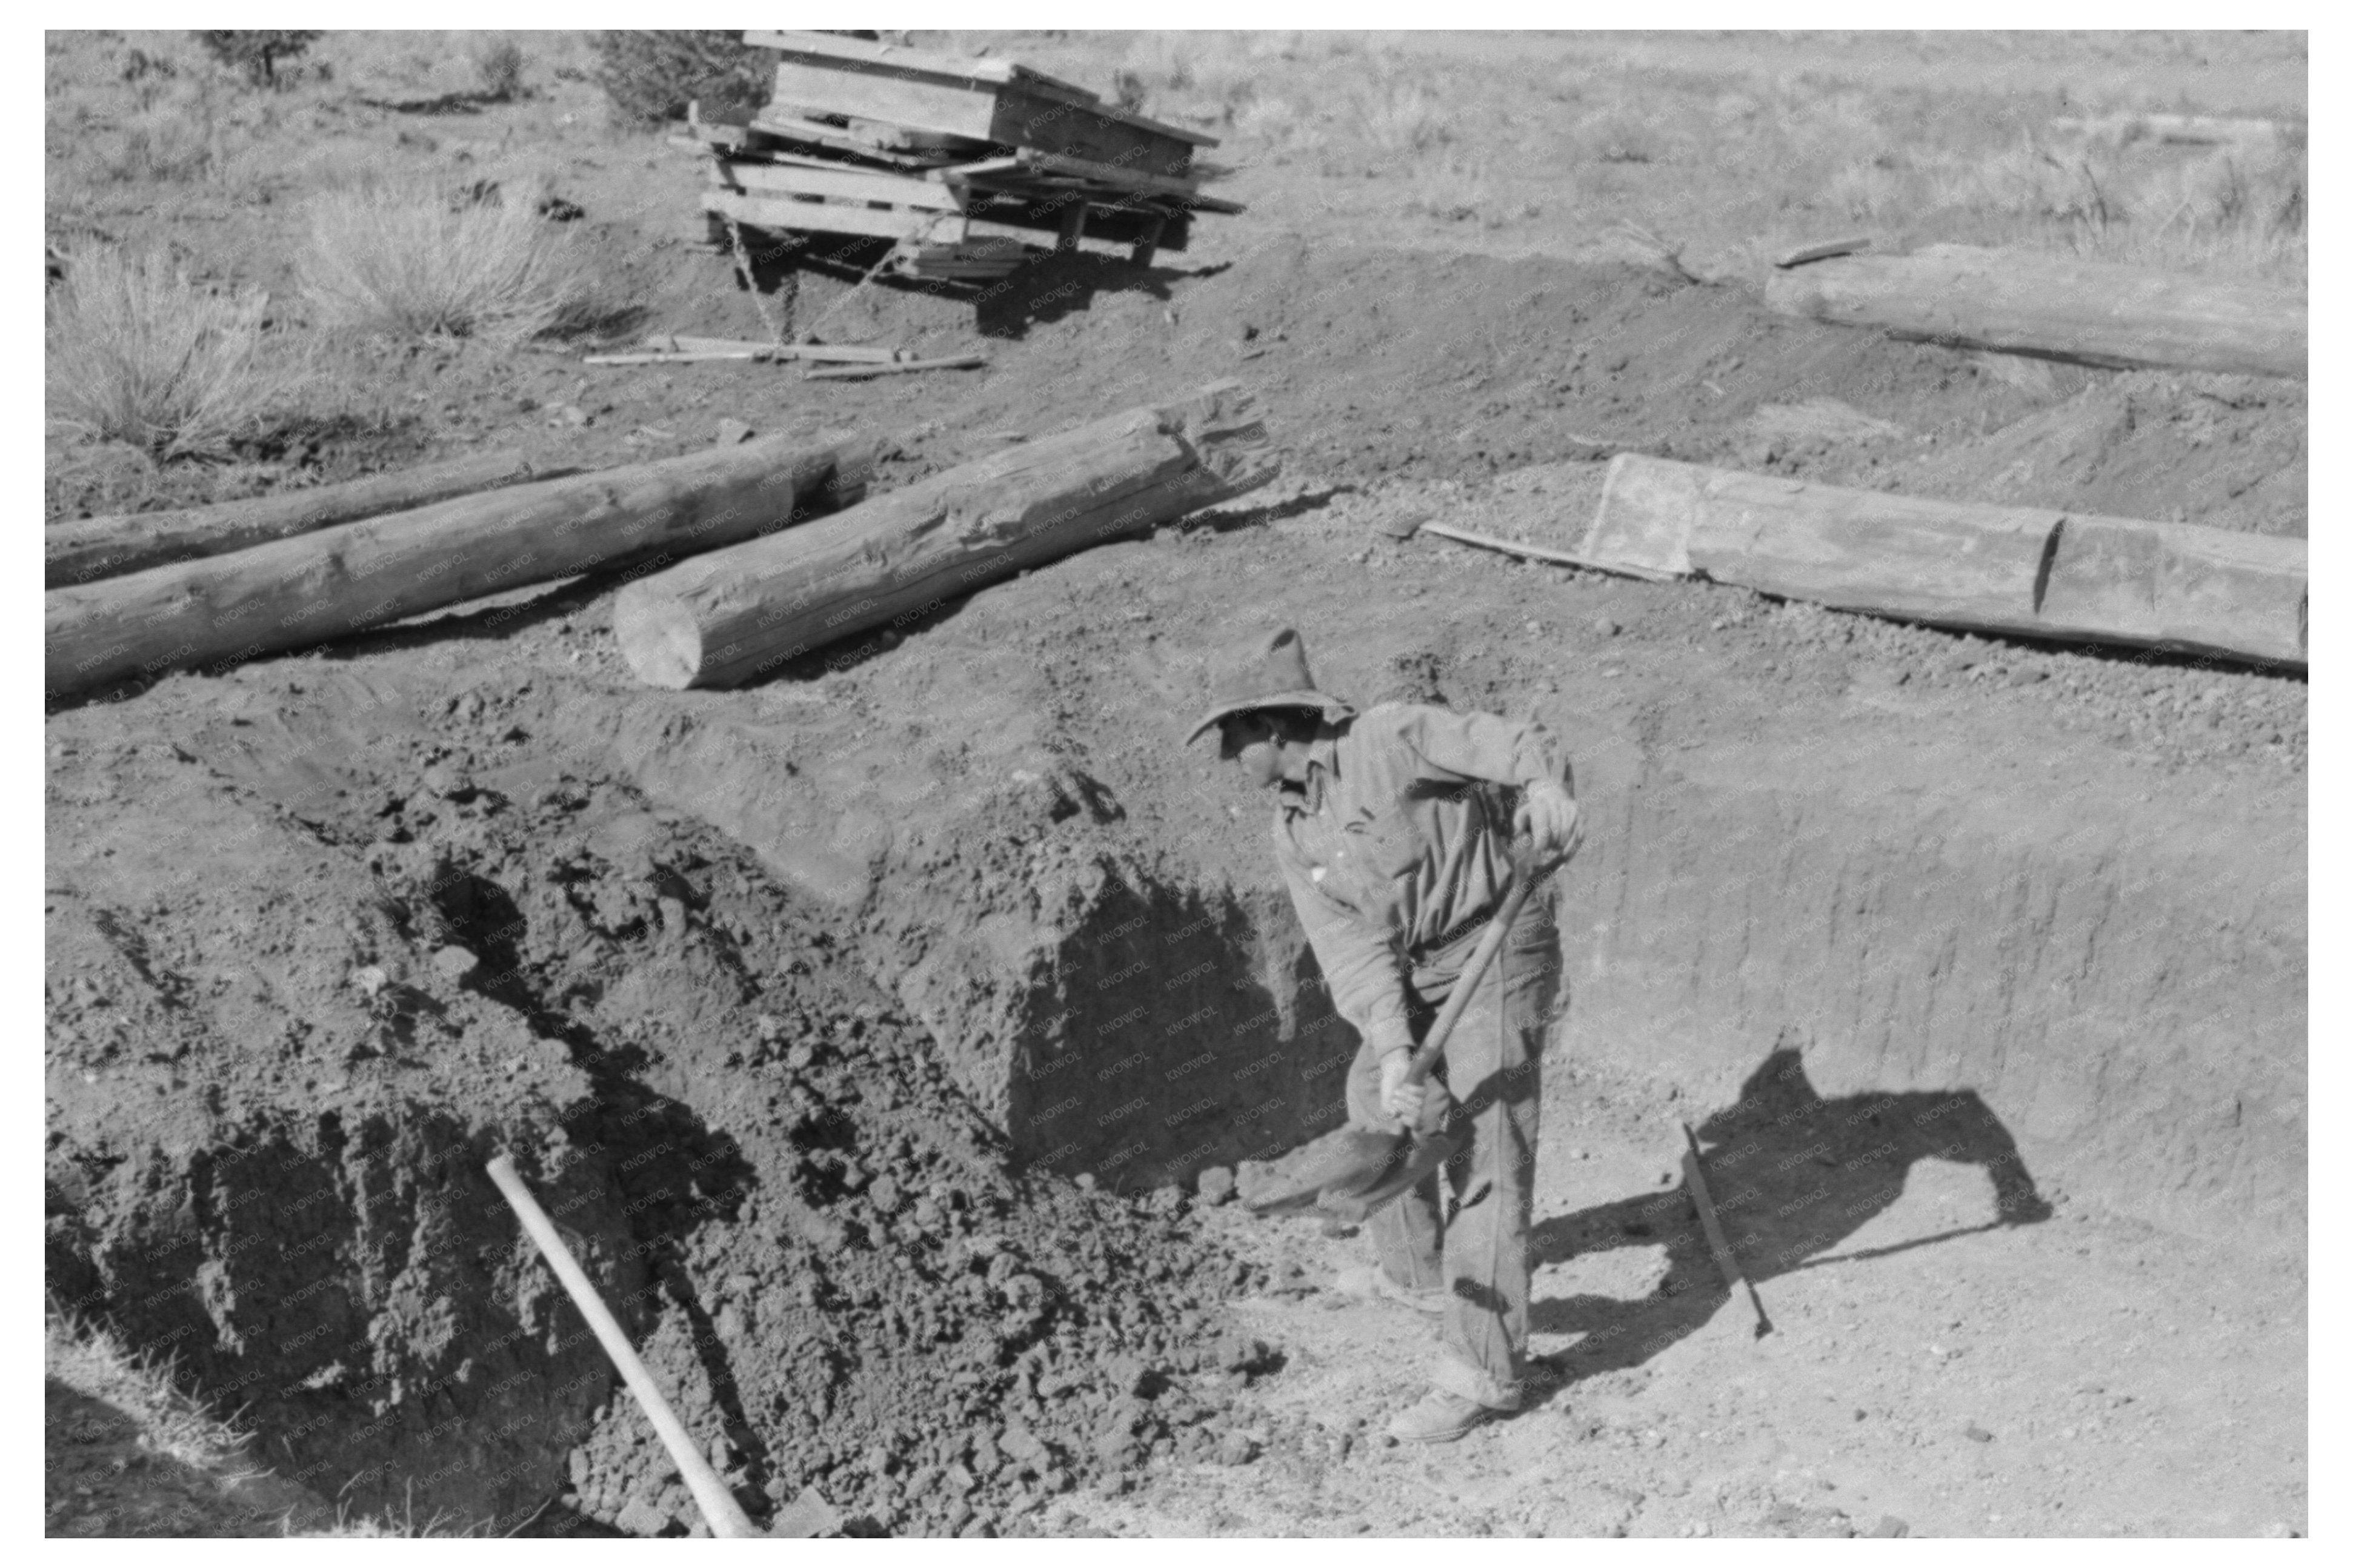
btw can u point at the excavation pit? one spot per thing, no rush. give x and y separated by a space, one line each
866 1027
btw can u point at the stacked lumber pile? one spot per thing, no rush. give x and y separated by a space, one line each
2016 571
970 164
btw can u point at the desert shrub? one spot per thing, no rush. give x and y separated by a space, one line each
498 67
257 53
138 354
651 75
1402 118
406 261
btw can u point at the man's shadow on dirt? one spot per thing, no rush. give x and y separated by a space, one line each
1791 1175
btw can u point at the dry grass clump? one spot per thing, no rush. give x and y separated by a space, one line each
2236 209
93 1362
138 354
407 261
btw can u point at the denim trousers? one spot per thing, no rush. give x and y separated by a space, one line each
1489 1065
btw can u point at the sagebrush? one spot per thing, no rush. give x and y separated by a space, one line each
411 261
136 352
651 77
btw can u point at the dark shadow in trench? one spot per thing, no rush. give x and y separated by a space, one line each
674 1171
1791 1175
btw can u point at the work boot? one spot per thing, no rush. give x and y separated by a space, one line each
1441 1417
1373 1284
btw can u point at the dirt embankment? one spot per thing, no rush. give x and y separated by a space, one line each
760 985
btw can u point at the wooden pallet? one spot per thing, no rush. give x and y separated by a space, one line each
995 103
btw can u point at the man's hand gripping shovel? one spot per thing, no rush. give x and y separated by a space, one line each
1369 1169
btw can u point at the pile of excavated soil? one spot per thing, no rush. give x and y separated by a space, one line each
404 938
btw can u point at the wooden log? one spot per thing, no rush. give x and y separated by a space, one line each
91 548
2180 587
306 589
737 614
2017 570
2092 312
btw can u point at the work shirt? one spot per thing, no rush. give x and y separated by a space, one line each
1398 845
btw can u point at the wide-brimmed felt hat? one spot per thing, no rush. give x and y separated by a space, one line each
1271 671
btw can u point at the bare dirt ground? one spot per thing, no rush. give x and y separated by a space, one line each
813 1007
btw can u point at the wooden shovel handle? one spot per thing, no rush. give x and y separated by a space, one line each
1524 877
719 1505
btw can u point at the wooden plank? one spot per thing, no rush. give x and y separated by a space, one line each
1105 226
842 353
833 49
729 617
781 213
1861 550
774 124
1645 515
906 367
2178 587
308 589
872 55
955 108
1076 132
2012 570
93 548
2092 312
843 184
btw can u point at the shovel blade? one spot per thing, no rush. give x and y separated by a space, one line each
1344 1157
1352 1202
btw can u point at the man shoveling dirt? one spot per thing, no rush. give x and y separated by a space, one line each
1392 830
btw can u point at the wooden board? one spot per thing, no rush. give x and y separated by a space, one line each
2178 587
1645 515
2019 571
2092 312
1005 116
773 125
1031 169
736 614
870 55
782 213
218 612
864 185
1860 550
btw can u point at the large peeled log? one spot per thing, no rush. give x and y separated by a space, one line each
96 547
726 617
342 580
2093 312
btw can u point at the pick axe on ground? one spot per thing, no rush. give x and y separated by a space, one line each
1733 1279
804 1518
